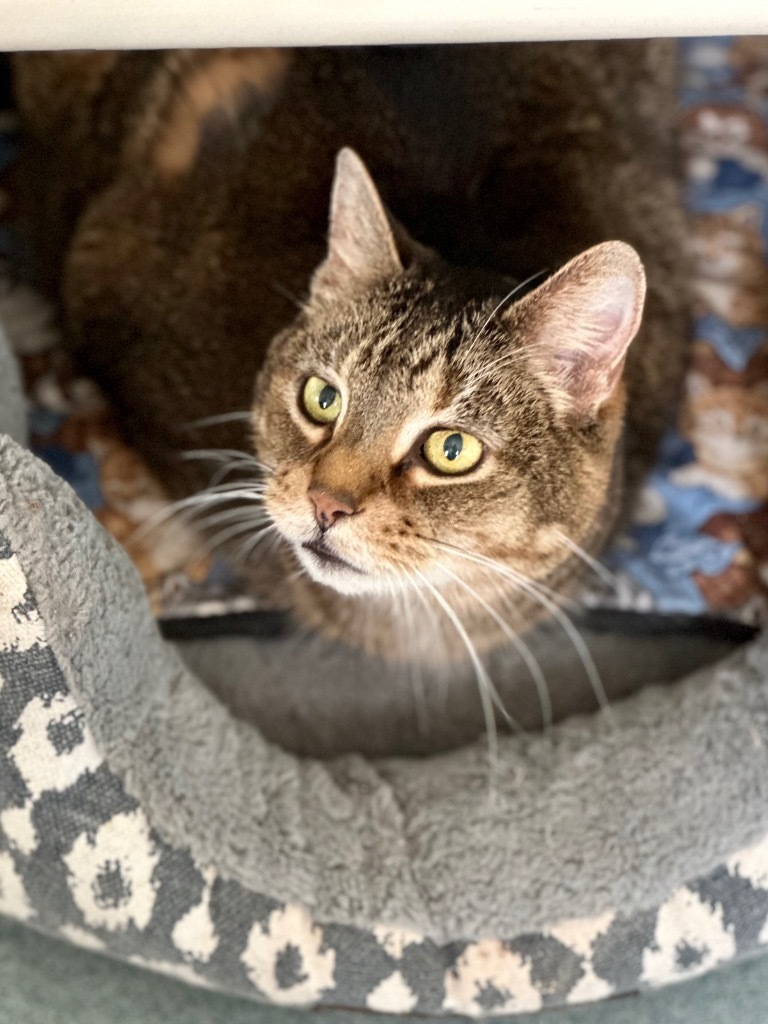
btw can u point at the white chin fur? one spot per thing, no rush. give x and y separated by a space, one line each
345 581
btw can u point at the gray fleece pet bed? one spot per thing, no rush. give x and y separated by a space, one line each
137 816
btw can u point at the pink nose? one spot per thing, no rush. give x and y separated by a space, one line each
330 508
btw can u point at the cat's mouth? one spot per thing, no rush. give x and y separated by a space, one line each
327 558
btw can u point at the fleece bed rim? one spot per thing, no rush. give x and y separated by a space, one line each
396 863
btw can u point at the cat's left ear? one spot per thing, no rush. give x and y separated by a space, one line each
365 244
579 324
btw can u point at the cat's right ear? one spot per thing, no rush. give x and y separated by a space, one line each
361 241
579 324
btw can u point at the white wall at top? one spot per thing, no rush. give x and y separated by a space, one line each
63 24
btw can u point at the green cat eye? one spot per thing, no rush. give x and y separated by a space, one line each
451 451
321 400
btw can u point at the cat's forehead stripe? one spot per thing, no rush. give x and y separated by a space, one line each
413 344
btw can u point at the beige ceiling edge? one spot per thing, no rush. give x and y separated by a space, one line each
108 24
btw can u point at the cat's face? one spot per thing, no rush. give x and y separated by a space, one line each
723 129
729 429
727 244
414 423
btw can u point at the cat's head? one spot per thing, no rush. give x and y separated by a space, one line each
728 427
417 417
721 242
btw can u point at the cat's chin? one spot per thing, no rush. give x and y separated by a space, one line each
330 570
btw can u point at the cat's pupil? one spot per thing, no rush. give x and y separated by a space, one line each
327 396
452 446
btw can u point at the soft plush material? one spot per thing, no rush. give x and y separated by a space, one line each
45 981
137 816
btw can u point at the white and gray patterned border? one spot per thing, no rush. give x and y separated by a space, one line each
79 858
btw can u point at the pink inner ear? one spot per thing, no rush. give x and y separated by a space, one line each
614 315
597 316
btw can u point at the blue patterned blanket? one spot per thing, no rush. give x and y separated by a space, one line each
698 544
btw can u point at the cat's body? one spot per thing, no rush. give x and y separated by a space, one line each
185 200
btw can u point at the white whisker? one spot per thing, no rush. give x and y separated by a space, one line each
224 471
598 568
219 539
484 681
245 551
223 455
186 510
483 371
508 297
229 515
212 421
286 294
520 646
536 591
402 596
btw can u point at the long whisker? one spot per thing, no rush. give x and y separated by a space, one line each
508 298
436 633
535 591
186 510
494 694
518 643
575 637
286 294
296 575
244 526
402 596
223 455
212 421
598 568
228 515
246 550
485 684
226 489
484 371
229 467
415 671
215 454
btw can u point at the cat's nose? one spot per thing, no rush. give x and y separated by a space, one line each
330 508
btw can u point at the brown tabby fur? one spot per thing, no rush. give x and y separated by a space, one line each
181 199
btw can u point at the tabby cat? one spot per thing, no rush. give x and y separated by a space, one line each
450 424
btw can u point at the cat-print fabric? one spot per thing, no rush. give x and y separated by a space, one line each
699 541
80 859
